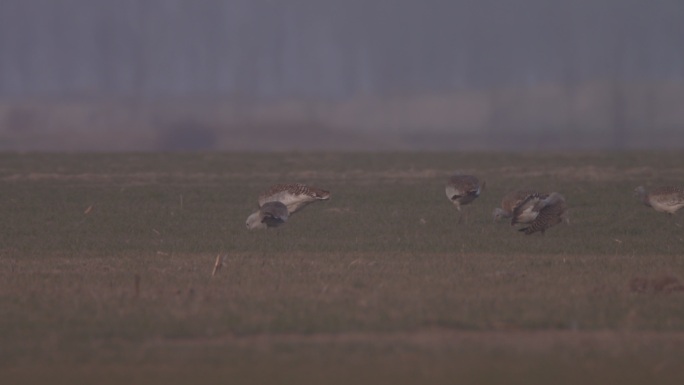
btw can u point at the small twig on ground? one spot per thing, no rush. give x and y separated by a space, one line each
218 264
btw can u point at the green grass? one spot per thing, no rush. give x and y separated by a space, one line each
381 284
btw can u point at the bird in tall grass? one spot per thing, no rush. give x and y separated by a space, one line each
550 212
462 189
667 199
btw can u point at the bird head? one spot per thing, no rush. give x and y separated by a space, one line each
499 213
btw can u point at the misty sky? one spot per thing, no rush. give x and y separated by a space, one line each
330 48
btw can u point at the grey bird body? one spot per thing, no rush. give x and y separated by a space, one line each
270 214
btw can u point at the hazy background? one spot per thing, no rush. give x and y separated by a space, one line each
119 75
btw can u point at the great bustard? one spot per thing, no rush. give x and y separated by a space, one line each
528 208
270 214
463 189
550 212
510 202
280 201
666 199
293 195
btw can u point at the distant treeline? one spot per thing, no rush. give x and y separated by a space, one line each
597 115
322 49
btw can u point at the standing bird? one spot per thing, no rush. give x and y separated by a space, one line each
666 199
270 214
509 202
550 212
293 195
463 189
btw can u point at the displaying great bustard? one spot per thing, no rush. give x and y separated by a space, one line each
667 199
271 214
293 195
463 189
528 208
510 202
282 200
550 212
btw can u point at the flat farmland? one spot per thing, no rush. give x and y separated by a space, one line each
106 262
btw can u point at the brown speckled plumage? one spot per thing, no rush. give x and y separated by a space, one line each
509 203
667 199
463 189
293 195
527 209
551 211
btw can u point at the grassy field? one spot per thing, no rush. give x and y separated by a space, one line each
106 261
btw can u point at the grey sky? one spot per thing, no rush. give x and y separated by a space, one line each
330 48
